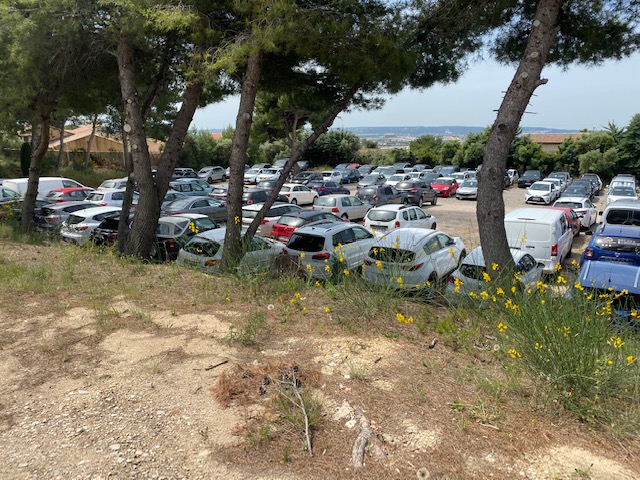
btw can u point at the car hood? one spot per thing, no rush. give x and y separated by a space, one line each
620 276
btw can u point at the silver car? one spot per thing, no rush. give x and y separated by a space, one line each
346 207
78 226
468 190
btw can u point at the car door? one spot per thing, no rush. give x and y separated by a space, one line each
443 254
359 208
215 209
528 270
423 220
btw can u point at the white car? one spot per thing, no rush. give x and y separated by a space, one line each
299 194
560 184
332 176
268 174
113 183
326 247
204 251
393 180
212 174
621 193
249 212
251 175
413 258
78 226
513 175
346 207
470 275
388 217
584 208
110 197
541 192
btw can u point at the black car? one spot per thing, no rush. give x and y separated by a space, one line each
107 232
381 195
588 184
349 175
529 177
577 190
306 177
259 195
328 188
418 192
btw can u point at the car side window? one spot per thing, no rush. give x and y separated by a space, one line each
405 215
432 246
70 184
362 233
344 237
117 196
526 264
213 203
197 188
200 204
346 202
444 240
420 214
412 214
356 202
330 184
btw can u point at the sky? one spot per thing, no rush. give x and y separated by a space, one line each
579 98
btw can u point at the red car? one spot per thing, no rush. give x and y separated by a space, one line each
572 219
445 186
71 194
290 222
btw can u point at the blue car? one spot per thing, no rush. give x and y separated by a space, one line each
614 243
600 276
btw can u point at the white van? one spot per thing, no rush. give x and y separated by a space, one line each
45 185
543 233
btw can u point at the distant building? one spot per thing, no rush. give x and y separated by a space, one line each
550 142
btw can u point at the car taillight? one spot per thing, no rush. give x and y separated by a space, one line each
287 194
52 219
172 246
81 228
452 279
264 221
376 198
335 210
320 190
60 200
414 190
249 202
103 204
321 256
554 250
588 253
397 224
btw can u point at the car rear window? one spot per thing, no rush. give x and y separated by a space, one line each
306 243
95 197
396 255
74 219
381 215
568 204
618 244
202 247
249 214
475 272
617 216
367 191
325 202
291 221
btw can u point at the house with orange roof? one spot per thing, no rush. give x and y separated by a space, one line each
550 142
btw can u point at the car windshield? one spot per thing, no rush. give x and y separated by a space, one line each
443 181
325 202
202 247
470 183
540 186
530 174
291 221
252 171
315 185
381 215
623 192
181 203
269 171
304 174
306 243
370 178
396 178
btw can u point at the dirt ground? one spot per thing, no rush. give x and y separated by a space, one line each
120 382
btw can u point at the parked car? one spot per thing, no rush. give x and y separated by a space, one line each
268 174
418 192
227 172
418 167
201 182
428 177
306 177
541 192
572 218
564 177
593 176
577 190
213 174
349 175
298 194
622 212
446 170
12 209
413 258
189 189
183 173
114 183
366 169
204 251
328 246
590 184
462 176
332 176
267 184
529 177
328 188
346 207
290 222
614 243
255 195
260 166
543 232
514 176
389 217
372 179
106 233
220 193
249 212
621 193
584 208
174 231
214 209
445 186
468 190
381 195
45 184
78 226
112 198
171 196
470 275
251 175
50 217
559 184
396 178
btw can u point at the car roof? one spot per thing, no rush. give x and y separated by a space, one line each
572 198
324 228
408 236
475 257
258 206
392 207
95 211
599 274
60 206
305 213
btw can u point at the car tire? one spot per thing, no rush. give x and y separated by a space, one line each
345 217
209 180
463 254
294 201
405 201
434 226
420 203
435 200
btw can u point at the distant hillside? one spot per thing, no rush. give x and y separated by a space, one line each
453 131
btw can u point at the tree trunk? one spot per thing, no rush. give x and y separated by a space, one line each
297 150
87 156
39 146
490 207
123 233
61 150
152 190
232 240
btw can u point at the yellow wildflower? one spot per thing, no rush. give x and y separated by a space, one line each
399 280
484 295
236 219
609 362
486 277
538 346
502 327
499 291
577 286
327 269
228 299
561 279
513 353
596 371
297 295
630 359
346 272
542 302
379 264
308 267
400 317
615 342
473 295
327 310
494 266
514 289
317 284
301 255
558 267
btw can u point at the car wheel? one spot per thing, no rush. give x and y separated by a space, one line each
420 202
435 200
224 177
294 201
405 201
463 254
209 180
433 227
345 217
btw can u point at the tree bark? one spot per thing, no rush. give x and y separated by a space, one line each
87 156
61 150
490 208
232 240
39 145
123 232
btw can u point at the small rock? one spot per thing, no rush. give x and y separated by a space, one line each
350 424
115 447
